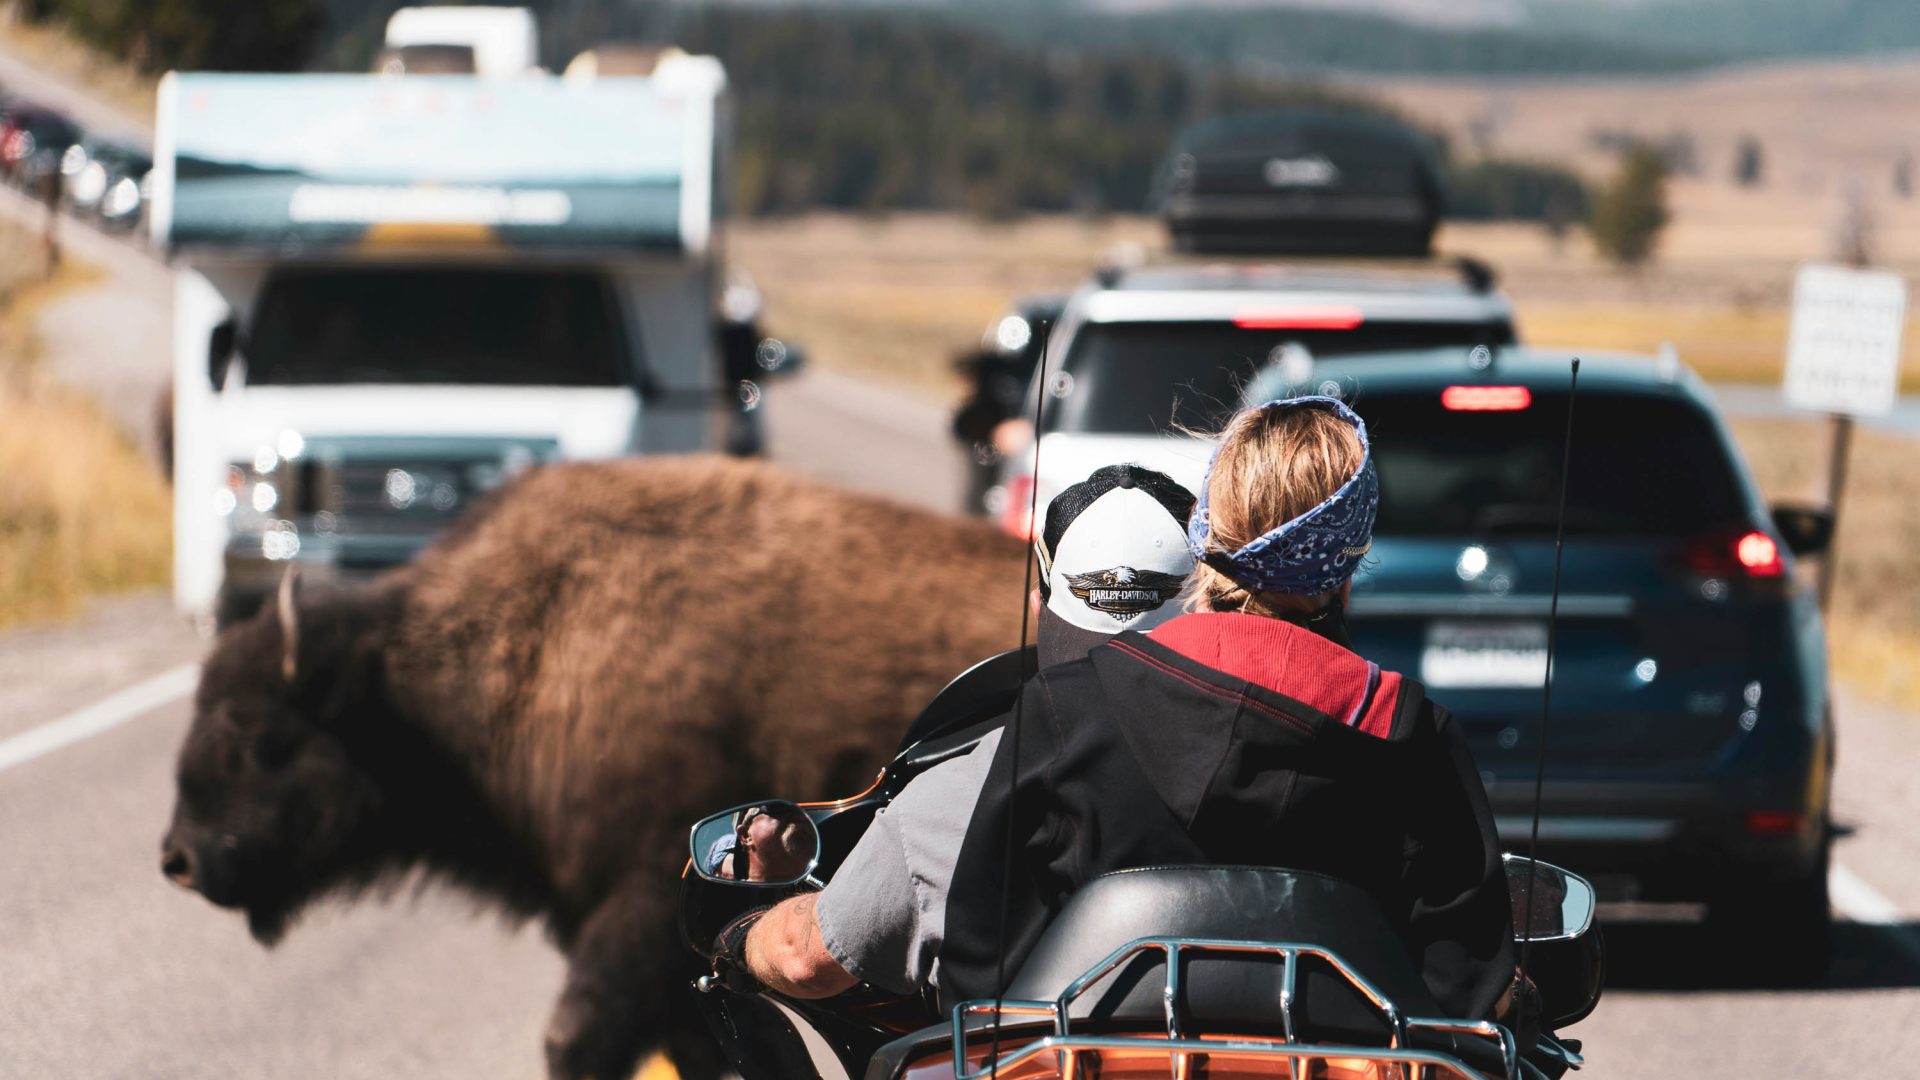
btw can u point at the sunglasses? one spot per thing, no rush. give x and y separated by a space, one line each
739 853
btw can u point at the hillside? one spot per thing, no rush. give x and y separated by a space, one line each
1481 36
1821 126
1266 38
1736 30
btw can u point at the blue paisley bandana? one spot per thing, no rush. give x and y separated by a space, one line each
1315 552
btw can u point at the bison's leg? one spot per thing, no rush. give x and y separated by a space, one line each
625 971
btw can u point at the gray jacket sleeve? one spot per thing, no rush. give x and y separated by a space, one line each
882 916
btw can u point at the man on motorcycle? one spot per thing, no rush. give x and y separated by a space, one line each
1112 556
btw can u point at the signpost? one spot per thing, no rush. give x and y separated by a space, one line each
1843 359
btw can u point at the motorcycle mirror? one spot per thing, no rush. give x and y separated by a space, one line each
222 342
767 843
1562 902
1807 530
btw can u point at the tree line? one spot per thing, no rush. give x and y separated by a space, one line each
866 111
218 35
853 109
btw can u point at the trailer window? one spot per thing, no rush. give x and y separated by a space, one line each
439 326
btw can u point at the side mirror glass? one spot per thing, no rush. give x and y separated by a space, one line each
1807 531
764 843
1561 904
777 357
221 344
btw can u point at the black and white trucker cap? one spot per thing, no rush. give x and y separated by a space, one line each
1113 557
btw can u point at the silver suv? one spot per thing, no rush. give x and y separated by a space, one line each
1141 356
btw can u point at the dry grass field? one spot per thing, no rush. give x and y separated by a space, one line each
82 509
1719 290
898 297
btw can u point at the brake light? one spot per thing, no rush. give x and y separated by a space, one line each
1775 822
1016 516
1760 555
1321 317
1486 398
1746 553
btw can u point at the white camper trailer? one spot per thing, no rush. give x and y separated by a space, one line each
392 294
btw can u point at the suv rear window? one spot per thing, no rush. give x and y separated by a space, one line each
1641 466
1145 377
436 325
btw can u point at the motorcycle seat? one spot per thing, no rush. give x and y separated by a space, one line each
1227 992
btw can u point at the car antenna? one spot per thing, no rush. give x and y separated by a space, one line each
1546 684
1041 391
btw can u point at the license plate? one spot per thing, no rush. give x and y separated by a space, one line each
1484 653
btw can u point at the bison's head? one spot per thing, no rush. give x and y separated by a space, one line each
272 806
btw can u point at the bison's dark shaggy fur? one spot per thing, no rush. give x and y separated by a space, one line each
538 708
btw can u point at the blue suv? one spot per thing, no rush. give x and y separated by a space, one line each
1690 751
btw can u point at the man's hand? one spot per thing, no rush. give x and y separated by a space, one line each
730 954
785 952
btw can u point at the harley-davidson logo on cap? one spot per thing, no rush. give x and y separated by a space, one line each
1124 592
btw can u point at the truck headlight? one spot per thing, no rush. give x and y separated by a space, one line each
122 199
88 184
249 499
280 542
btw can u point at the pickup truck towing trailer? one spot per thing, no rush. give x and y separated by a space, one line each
392 294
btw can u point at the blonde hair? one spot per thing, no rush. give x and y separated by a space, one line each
1273 466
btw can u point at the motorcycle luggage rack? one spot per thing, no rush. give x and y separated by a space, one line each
1181 1046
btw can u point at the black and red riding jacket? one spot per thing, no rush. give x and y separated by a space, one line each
1228 738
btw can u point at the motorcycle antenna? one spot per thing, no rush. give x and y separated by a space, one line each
1546 684
1041 392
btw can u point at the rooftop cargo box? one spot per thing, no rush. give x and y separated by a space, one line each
1301 182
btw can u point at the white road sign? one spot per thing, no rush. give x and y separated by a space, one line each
1843 352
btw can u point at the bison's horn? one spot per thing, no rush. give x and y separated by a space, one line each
289 627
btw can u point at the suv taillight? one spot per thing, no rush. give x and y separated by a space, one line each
1303 317
1746 553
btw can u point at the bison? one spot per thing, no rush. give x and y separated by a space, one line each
538 707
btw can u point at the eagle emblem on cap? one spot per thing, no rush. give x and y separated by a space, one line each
1123 592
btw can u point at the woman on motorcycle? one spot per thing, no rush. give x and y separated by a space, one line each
1246 732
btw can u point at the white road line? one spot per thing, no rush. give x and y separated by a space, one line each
1862 903
135 701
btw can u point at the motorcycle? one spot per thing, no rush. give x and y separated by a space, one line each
1158 971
